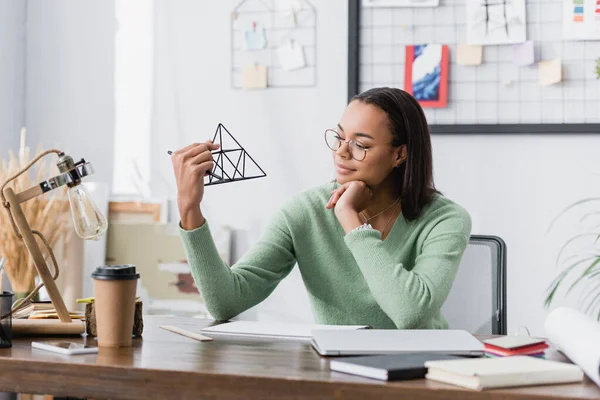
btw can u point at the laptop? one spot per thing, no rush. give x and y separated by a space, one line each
393 341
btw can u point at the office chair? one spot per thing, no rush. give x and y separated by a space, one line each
477 300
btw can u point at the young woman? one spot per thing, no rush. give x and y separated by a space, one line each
379 246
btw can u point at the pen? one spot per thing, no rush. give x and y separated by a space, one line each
207 172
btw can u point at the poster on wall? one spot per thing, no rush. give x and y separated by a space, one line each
581 19
496 22
400 3
426 74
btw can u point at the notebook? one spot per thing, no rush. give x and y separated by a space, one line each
512 343
273 330
388 367
515 345
394 341
488 373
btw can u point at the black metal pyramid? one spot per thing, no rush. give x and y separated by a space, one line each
232 162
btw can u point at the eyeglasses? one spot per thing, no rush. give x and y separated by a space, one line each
334 142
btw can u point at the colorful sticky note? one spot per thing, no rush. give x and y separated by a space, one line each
469 55
255 38
291 55
550 72
524 54
254 77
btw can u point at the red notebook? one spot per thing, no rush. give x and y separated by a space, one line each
514 345
526 352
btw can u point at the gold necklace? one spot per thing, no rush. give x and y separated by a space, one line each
386 225
379 213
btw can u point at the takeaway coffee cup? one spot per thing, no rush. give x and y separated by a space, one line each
114 304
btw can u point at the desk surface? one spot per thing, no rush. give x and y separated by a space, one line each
166 365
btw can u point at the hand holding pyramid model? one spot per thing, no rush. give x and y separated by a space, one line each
232 162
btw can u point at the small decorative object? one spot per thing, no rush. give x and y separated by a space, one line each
426 74
48 214
89 224
598 68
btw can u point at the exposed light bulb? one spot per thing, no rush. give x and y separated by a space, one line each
89 222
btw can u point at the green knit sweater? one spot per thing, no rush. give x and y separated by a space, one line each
351 279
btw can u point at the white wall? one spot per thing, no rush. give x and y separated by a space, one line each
70 74
281 128
514 186
12 69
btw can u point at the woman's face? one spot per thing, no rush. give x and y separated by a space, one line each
368 127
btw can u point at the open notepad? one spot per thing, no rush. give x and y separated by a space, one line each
276 330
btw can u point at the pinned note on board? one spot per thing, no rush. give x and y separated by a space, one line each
291 55
254 77
255 38
524 54
288 9
469 54
295 5
550 72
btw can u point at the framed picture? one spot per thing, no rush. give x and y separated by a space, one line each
581 19
400 3
426 74
496 22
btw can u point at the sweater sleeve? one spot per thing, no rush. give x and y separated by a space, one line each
229 291
410 298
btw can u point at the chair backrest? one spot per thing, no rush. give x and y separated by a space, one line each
477 301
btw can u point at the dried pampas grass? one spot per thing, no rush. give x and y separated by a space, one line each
47 213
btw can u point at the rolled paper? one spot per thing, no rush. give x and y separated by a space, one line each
578 337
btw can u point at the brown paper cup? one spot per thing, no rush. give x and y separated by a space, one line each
114 307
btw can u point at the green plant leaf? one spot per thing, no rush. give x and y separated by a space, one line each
592 303
569 207
587 216
584 274
555 284
571 240
593 291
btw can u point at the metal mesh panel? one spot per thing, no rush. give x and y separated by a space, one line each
476 302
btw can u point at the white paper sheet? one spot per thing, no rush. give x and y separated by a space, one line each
271 329
291 56
577 336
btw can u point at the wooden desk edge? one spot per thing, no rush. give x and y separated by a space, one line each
105 381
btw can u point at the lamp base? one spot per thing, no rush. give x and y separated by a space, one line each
30 327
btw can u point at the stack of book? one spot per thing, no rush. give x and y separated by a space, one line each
515 346
43 310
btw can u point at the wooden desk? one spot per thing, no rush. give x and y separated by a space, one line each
164 365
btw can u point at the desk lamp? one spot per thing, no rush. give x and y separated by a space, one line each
88 221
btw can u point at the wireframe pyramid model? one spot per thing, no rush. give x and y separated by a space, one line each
232 162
